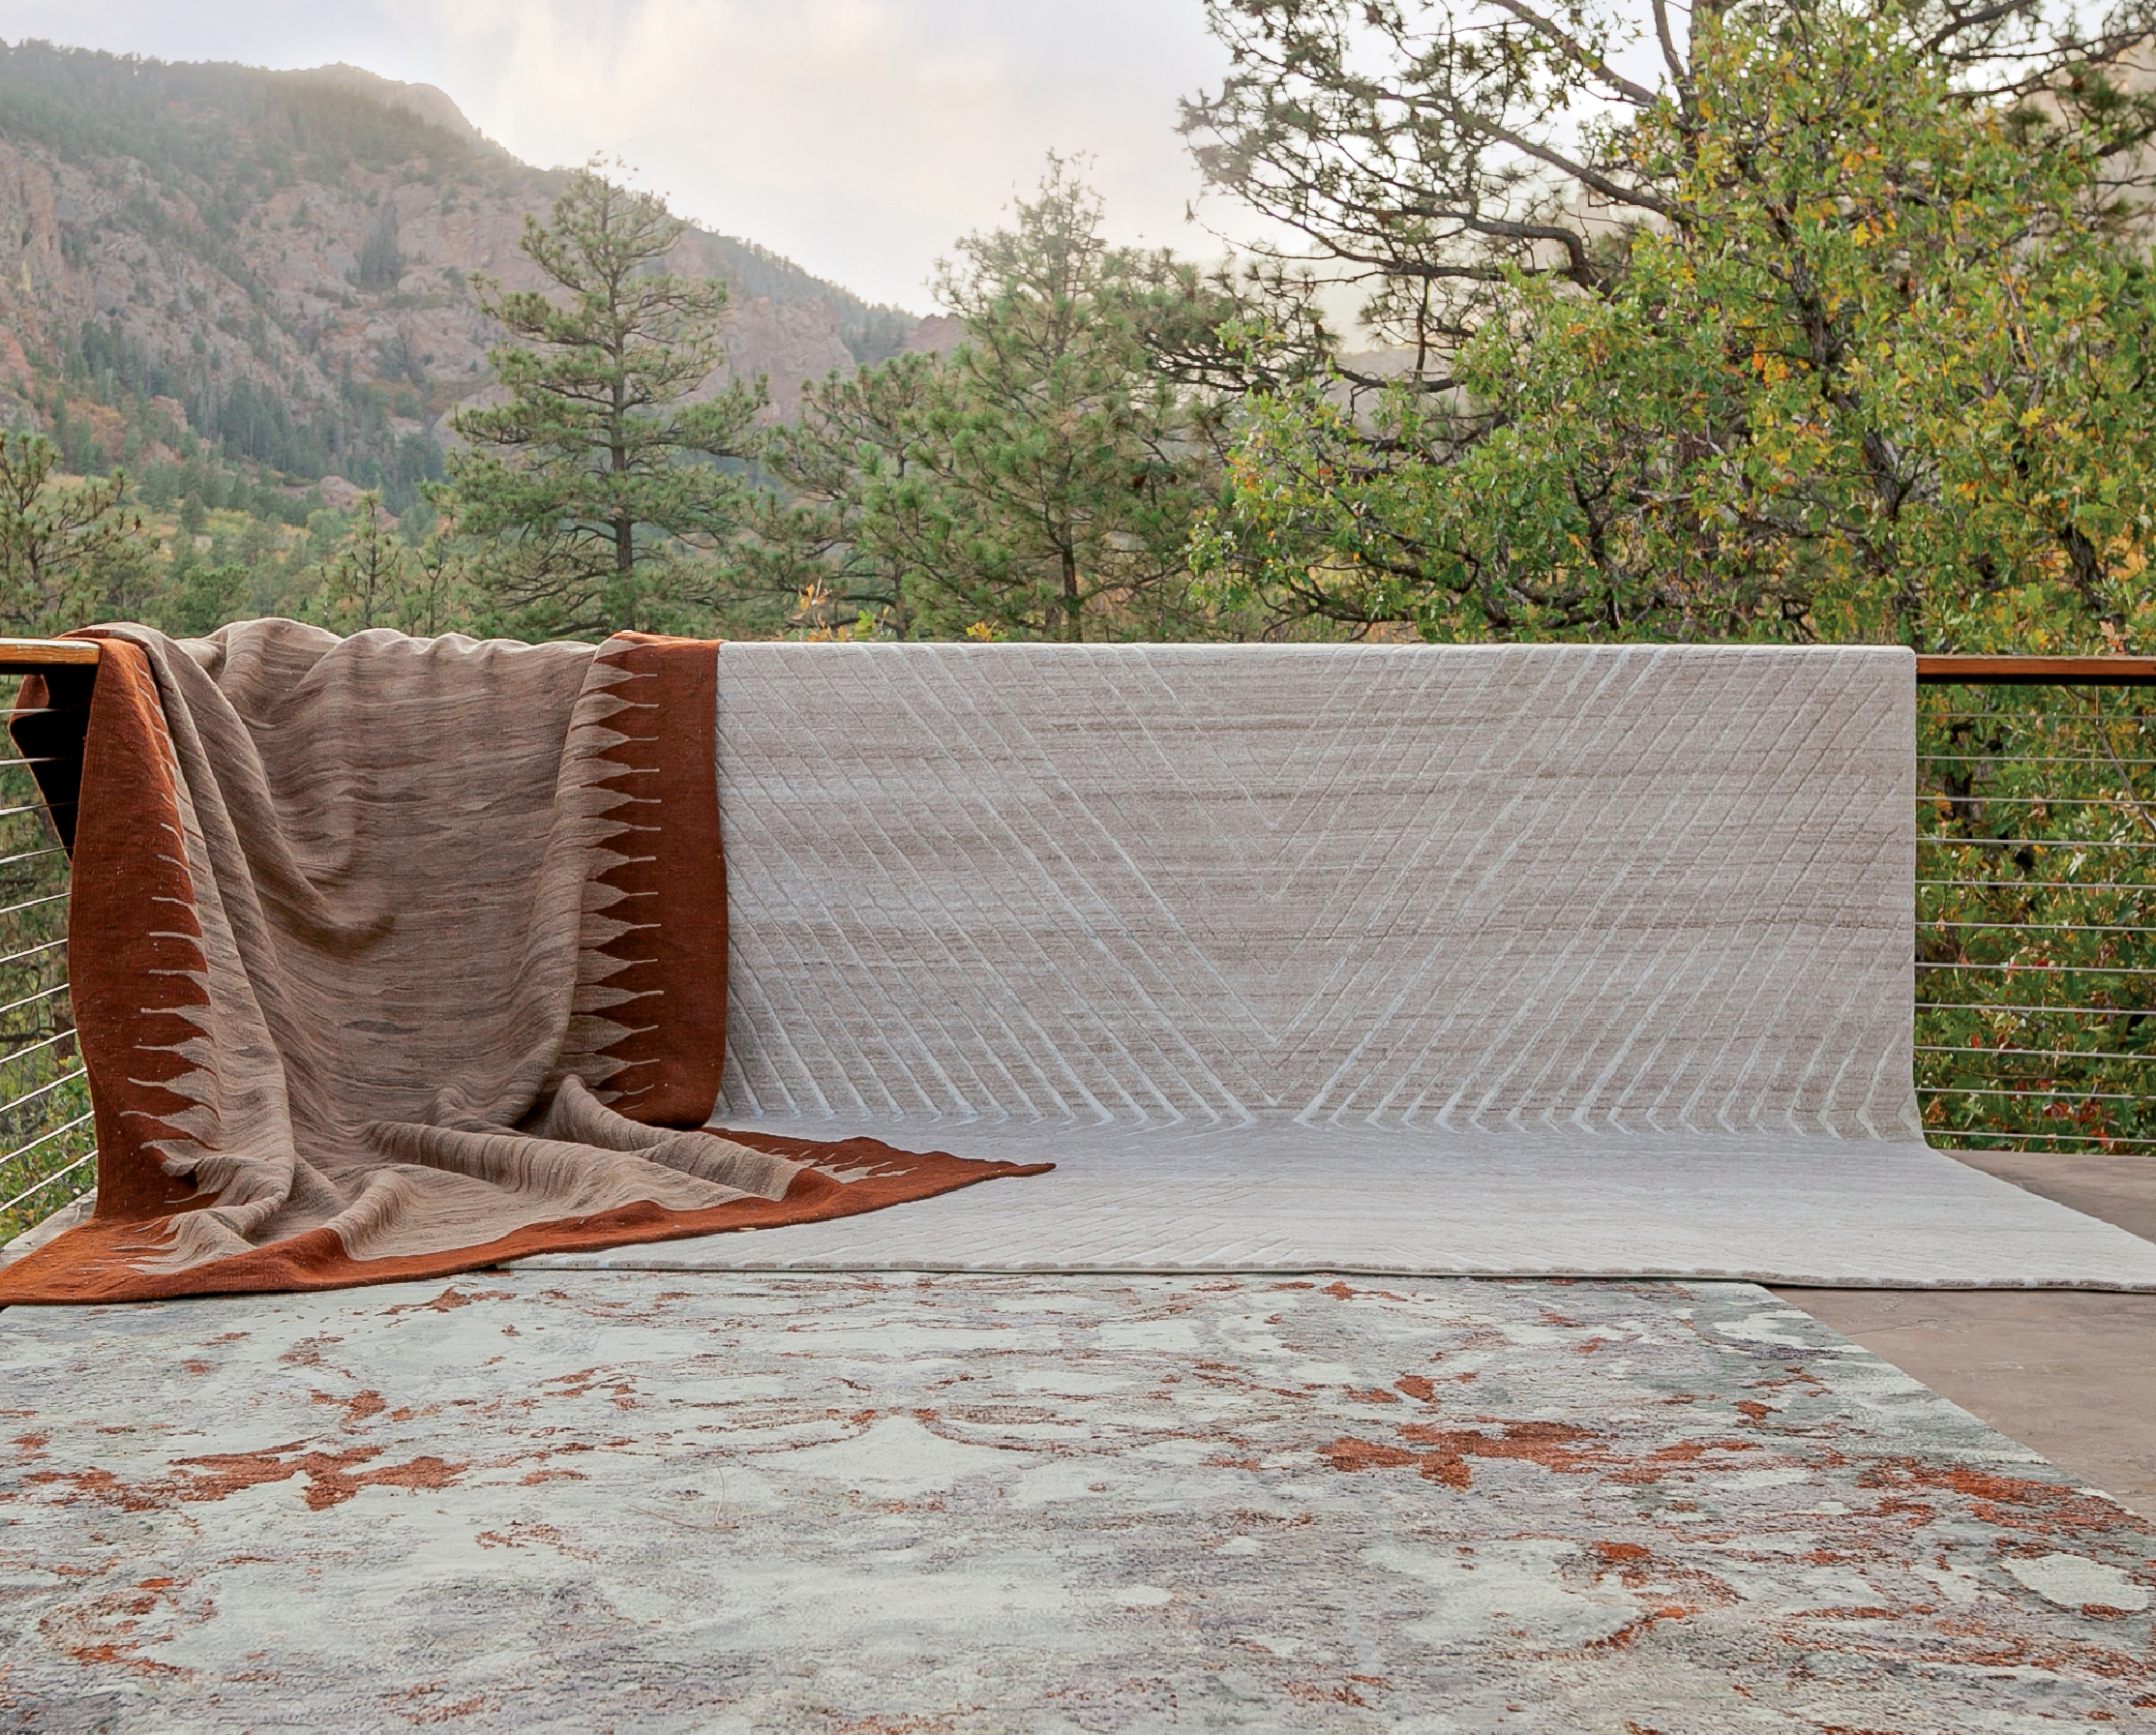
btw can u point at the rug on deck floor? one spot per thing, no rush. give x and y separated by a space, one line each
1494 960
1048 1503
1411 1202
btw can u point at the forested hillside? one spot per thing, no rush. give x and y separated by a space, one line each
270 270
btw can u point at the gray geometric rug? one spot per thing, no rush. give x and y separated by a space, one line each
543 1500
1838 1213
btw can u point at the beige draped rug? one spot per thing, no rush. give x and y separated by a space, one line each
393 957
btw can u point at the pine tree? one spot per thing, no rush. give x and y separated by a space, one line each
376 579
57 543
600 477
1039 483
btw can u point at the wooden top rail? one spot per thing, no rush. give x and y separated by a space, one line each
27 656
2037 671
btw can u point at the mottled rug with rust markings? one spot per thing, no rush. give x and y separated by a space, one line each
855 1502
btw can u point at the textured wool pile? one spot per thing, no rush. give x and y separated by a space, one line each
400 956
1052 1504
1549 959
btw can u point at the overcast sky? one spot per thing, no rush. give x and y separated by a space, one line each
859 137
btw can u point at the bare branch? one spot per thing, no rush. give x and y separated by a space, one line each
1678 71
1600 183
1578 53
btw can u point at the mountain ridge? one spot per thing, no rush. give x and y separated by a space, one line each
280 263
430 101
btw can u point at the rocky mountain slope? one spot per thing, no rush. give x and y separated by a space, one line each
280 263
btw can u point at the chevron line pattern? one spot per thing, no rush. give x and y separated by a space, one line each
1610 889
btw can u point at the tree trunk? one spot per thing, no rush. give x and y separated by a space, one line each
624 527
1074 629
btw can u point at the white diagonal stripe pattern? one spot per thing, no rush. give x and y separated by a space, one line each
1611 889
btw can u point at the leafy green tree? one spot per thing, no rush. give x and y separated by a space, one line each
601 473
1040 481
1861 353
207 594
58 543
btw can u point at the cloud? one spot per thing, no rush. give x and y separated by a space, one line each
860 137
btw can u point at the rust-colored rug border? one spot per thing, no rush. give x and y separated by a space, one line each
130 888
60 1273
672 884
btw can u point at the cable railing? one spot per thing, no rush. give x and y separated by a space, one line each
45 1127
2036 903
2035 940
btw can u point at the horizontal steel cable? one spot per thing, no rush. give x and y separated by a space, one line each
2040 1054
2094 970
33 951
49 898
2035 886
56 1175
2027 1095
48 1137
29 1000
2034 842
2020 1007
32 1095
1932 797
16 1054
33 855
1934 921
2027 759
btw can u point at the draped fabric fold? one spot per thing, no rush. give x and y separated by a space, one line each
393 957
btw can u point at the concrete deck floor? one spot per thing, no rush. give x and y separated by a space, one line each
2071 1374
